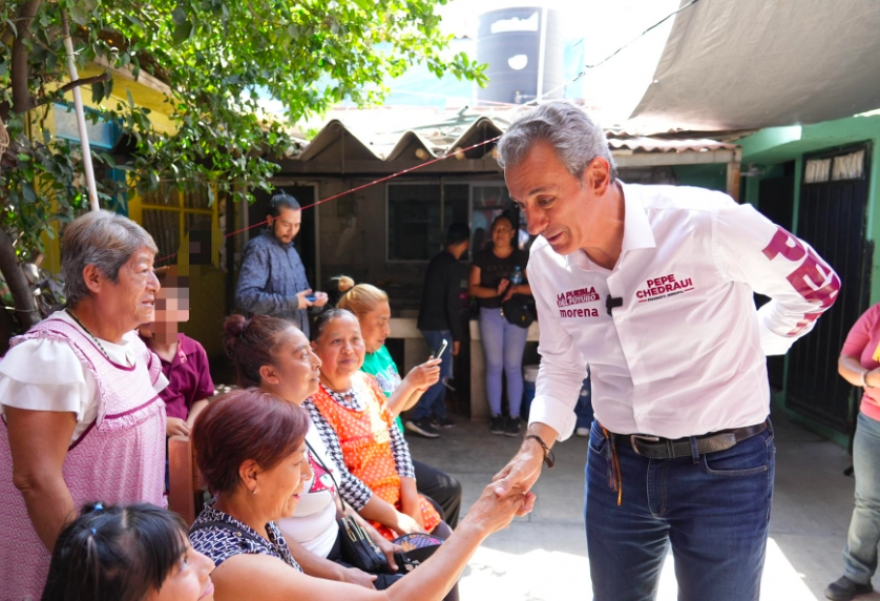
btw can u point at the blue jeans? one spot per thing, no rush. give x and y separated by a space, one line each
860 554
503 347
713 509
433 402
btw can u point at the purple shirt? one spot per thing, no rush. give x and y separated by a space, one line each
189 379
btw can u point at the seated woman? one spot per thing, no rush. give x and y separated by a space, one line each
370 306
134 553
358 429
274 355
251 450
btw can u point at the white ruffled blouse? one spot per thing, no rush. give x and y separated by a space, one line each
46 375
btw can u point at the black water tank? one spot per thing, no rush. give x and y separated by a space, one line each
509 41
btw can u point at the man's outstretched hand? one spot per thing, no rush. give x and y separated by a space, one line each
521 473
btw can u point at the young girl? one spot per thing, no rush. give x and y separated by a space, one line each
134 553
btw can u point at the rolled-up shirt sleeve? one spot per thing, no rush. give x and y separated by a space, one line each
801 285
562 369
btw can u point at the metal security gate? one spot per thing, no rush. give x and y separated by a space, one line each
832 218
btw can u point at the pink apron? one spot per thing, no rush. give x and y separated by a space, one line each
119 459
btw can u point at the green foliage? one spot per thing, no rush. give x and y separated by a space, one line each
214 55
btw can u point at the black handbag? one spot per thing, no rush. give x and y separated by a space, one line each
358 549
518 311
355 544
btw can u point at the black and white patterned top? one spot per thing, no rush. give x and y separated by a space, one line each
220 542
351 488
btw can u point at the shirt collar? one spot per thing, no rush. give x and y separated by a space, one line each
637 232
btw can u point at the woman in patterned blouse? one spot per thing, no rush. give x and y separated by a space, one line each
352 415
251 451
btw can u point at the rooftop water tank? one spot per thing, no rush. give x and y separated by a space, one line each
523 48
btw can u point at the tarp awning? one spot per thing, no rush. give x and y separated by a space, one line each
746 64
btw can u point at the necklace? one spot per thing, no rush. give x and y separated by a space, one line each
89 332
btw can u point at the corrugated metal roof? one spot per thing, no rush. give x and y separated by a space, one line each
386 135
646 144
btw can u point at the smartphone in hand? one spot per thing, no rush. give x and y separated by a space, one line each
311 298
439 352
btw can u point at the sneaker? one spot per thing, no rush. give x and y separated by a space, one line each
512 426
845 589
422 427
582 431
496 424
443 422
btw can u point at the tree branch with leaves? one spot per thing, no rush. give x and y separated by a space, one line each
221 60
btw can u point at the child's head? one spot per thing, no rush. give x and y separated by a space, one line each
134 553
172 301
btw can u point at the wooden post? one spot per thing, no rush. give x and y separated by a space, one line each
733 179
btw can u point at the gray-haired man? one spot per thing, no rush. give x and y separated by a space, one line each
652 287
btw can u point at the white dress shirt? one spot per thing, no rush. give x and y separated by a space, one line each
684 354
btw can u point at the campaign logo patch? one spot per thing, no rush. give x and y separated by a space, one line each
577 297
664 287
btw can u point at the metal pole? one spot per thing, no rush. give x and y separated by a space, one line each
80 117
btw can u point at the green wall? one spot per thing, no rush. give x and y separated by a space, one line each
712 176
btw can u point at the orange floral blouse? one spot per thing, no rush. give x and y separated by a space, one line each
365 440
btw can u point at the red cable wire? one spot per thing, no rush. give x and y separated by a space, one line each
357 189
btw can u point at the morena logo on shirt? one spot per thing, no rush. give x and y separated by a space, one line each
577 297
664 287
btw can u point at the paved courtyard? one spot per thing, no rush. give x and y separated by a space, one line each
543 557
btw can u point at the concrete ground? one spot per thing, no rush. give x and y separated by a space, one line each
543 557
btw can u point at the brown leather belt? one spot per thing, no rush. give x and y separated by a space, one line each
654 447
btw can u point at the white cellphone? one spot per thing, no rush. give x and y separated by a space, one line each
440 350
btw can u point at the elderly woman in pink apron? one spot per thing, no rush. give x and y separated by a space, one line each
82 418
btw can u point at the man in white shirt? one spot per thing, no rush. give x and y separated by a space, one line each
652 286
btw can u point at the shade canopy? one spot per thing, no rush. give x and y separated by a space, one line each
747 64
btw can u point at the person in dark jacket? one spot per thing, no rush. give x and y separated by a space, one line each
273 280
439 320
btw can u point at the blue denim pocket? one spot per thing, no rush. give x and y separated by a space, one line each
749 457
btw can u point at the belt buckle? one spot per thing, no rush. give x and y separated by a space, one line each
634 437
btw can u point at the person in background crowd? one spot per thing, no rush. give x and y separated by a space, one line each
653 288
353 419
184 361
272 354
273 279
250 447
503 342
79 395
859 364
370 305
439 321
137 552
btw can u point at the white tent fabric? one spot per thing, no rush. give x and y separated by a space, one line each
746 64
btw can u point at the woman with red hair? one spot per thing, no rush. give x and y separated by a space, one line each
251 450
